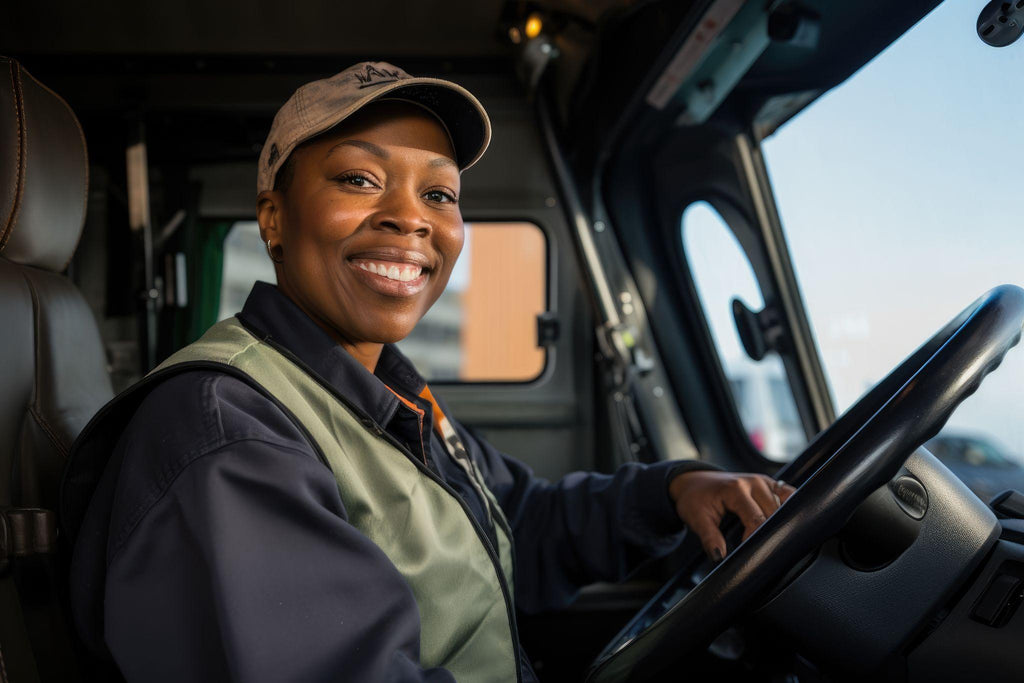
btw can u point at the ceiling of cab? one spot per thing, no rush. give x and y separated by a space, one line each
238 59
265 27
781 56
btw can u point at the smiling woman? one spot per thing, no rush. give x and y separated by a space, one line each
370 223
293 470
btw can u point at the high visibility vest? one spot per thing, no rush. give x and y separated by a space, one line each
462 585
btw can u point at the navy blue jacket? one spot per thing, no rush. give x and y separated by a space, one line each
228 555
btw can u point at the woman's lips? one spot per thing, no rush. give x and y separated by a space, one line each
391 278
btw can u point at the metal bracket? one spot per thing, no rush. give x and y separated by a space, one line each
548 329
26 531
760 332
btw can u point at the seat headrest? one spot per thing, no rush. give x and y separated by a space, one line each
44 172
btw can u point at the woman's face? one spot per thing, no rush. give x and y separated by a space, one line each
369 227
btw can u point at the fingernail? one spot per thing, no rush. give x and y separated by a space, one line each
717 555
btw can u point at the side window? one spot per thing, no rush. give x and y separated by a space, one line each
245 262
482 329
760 389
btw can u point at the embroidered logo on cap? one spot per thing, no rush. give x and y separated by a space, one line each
373 76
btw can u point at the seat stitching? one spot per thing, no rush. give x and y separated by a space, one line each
22 150
85 149
17 151
19 154
54 438
51 433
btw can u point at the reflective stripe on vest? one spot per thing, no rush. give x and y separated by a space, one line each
462 586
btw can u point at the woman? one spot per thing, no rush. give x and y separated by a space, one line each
286 499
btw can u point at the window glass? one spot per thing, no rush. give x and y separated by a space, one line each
760 389
482 329
245 262
897 193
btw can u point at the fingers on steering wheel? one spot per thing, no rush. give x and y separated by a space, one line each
706 528
784 491
765 494
747 509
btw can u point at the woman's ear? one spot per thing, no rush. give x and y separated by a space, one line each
269 204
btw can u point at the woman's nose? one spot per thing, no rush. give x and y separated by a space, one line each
402 211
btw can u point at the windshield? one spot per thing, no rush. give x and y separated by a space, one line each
899 194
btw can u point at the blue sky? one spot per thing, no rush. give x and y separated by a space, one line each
901 196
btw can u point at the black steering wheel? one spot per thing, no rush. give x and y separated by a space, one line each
841 467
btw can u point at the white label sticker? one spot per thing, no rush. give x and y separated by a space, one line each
692 51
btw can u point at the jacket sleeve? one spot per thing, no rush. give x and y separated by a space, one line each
585 527
239 565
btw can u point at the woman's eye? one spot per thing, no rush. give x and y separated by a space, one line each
440 196
357 180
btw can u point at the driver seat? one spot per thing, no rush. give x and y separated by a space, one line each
53 369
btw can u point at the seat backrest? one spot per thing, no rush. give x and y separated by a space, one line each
53 370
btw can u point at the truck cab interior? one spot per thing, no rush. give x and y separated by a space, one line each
129 135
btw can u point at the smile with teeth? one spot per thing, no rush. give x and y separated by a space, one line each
402 272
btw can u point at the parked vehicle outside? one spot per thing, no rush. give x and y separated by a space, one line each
766 409
979 462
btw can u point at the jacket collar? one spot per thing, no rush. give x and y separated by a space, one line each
271 315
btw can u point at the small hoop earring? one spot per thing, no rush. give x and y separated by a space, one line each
270 253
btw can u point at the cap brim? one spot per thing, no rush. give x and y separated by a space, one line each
458 110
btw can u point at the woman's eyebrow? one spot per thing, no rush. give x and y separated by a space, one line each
384 154
442 161
364 145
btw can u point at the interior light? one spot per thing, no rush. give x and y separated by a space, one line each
533 26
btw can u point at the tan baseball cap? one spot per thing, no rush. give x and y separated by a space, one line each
321 105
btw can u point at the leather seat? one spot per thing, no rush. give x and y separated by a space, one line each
53 371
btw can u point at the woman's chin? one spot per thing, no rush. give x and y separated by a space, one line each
392 339
387 334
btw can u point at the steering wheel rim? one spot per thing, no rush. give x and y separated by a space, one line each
863 449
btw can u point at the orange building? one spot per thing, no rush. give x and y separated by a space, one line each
505 293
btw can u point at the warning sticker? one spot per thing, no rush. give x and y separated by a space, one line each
693 50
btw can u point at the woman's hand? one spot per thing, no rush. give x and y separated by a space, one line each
702 498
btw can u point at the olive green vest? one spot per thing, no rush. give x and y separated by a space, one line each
462 590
